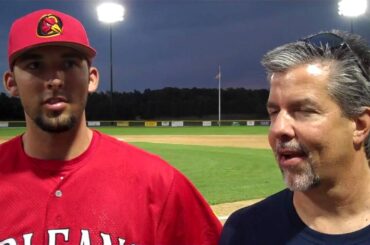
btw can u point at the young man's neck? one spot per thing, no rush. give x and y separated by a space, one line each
67 145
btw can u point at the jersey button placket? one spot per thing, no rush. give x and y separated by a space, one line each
54 210
58 193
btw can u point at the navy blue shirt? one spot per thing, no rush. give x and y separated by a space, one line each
274 221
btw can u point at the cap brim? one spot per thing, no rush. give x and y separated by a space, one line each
86 51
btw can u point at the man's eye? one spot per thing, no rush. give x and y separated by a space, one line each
272 113
306 112
69 63
309 110
33 65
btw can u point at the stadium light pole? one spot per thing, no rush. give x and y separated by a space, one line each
110 13
352 9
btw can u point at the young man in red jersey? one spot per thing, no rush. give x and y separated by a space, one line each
63 183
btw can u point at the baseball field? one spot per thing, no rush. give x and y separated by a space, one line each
231 166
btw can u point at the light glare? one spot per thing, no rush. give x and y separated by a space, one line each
314 70
352 8
110 12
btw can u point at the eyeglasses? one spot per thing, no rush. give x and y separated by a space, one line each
334 42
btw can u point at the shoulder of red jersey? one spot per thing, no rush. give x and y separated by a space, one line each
12 145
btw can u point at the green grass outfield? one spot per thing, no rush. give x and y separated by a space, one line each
222 174
224 130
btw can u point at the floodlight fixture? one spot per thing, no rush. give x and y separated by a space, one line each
352 8
110 12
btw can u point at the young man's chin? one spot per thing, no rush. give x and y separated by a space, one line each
58 124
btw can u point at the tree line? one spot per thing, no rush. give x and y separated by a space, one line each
162 104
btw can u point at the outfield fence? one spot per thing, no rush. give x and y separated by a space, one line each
157 123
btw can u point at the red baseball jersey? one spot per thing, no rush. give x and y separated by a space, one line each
113 193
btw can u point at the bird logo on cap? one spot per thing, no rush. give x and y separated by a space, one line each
49 25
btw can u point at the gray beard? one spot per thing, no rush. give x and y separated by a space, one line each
303 180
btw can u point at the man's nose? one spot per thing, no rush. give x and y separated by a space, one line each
282 126
55 80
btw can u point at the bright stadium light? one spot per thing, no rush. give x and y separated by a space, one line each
110 13
352 9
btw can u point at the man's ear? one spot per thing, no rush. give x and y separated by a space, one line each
9 84
362 129
93 79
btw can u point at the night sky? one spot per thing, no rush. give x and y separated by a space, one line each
181 43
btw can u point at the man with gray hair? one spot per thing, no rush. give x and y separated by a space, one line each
319 106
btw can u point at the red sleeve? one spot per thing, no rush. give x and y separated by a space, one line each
186 217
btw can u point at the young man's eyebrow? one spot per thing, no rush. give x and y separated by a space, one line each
36 56
73 55
29 56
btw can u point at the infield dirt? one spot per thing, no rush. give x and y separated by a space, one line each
242 141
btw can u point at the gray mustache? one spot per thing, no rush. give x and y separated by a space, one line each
290 145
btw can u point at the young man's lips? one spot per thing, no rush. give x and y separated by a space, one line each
55 103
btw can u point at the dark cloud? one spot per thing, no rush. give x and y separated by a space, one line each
181 43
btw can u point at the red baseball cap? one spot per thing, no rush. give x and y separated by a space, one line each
47 27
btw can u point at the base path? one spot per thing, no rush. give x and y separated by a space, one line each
243 141
224 210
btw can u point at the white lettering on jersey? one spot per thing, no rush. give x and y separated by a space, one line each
27 239
85 238
122 241
9 241
54 233
106 239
